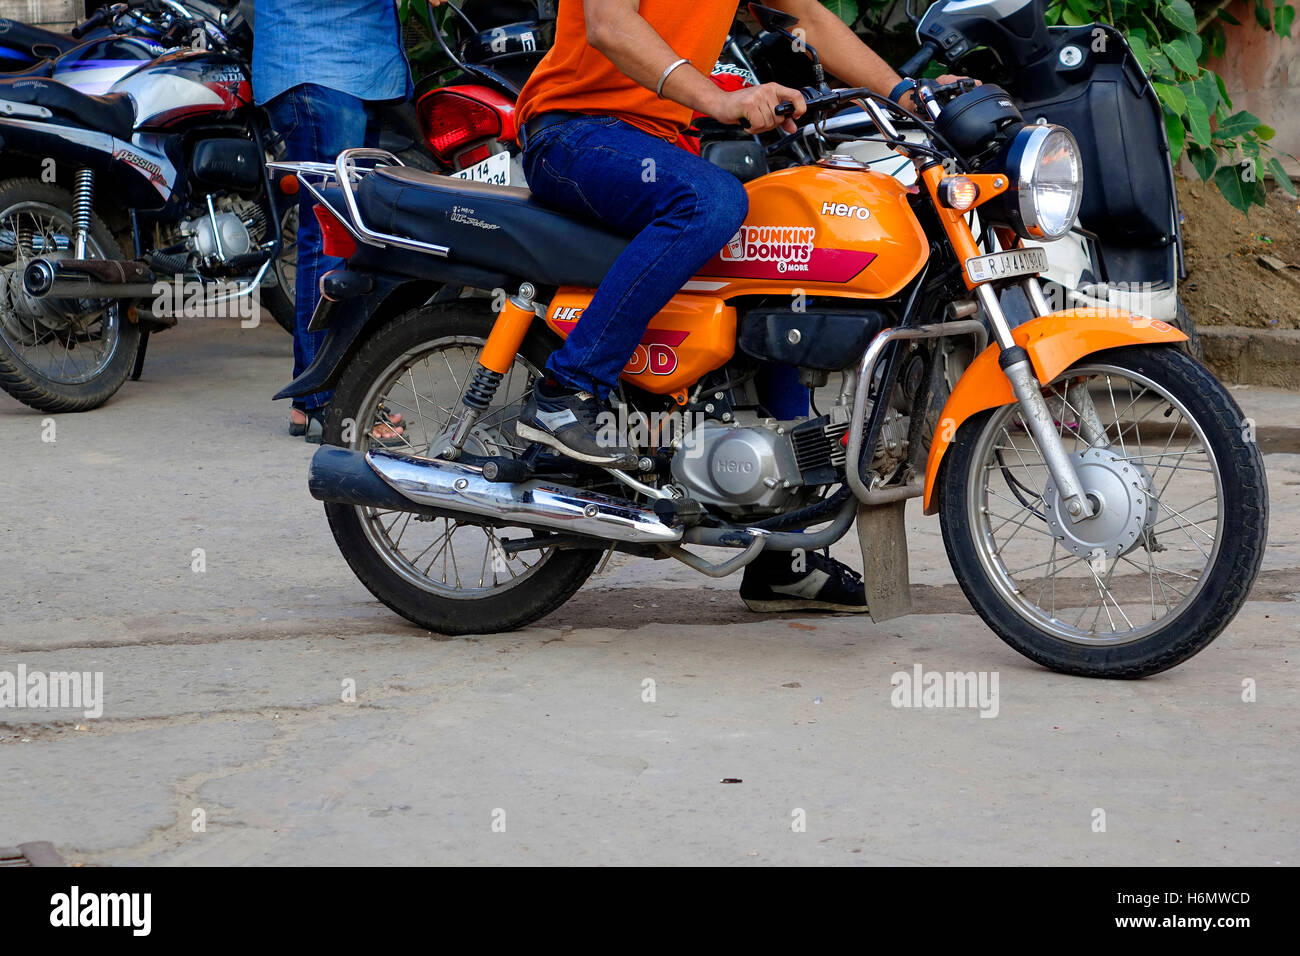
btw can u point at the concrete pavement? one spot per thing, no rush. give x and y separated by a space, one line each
224 690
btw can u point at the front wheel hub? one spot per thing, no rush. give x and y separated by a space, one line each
1123 502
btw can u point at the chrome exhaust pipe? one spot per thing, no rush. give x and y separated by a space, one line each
88 279
387 479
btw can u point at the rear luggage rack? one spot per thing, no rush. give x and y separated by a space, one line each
346 174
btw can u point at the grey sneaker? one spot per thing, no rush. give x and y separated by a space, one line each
569 422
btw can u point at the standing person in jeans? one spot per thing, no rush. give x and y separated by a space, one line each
599 118
319 66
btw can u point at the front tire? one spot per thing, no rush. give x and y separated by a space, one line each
384 377
1194 567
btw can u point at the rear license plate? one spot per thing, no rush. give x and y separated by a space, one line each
1003 265
495 169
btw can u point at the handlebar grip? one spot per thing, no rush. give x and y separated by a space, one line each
85 26
920 60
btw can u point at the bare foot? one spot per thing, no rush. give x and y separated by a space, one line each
390 428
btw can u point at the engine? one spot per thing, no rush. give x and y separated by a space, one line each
759 468
238 227
766 467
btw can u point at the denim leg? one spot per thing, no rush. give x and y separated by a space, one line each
781 393
317 124
679 209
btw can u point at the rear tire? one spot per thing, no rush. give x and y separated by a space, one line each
48 393
526 599
280 298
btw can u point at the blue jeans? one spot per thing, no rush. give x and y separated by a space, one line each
317 124
679 209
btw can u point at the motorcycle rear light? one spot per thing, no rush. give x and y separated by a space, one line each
475 155
450 122
335 239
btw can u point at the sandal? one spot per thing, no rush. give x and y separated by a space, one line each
297 429
314 430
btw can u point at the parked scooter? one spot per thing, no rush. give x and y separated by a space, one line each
1102 506
169 165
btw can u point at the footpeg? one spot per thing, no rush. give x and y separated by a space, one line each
506 470
679 512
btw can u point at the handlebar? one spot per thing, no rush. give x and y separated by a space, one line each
920 60
85 26
104 14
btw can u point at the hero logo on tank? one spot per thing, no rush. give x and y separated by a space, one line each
657 353
772 252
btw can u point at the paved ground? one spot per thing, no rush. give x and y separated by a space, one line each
223 688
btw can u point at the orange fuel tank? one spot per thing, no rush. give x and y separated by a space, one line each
820 231
691 335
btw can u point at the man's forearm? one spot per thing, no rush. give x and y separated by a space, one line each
841 51
619 32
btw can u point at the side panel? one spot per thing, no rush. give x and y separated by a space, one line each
1054 343
691 335
820 231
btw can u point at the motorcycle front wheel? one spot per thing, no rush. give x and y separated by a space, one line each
1177 483
451 576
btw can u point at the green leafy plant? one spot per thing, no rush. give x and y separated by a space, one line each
419 22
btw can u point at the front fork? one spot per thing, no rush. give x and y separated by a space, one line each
1019 371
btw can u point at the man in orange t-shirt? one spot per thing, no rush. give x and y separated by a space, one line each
599 118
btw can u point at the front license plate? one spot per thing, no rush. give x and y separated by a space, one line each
495 169
1002 265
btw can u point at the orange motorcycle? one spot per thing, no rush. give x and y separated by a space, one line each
1101 497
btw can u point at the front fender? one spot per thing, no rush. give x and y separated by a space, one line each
1054 343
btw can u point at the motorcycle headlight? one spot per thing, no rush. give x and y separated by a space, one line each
1044 162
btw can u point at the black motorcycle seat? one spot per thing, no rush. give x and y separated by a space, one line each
498 228
41 68
113 114
33 38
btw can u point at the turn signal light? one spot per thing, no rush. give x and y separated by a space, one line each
958 192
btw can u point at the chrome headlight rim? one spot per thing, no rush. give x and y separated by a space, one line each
1026 152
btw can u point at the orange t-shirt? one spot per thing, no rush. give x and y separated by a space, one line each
575 77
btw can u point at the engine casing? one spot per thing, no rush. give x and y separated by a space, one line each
739 469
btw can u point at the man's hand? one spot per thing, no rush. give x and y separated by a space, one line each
908 100
755 107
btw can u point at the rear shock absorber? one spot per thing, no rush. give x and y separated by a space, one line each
494 360
83 200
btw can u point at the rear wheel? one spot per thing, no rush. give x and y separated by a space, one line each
1178 484
280 295
56 355
452 576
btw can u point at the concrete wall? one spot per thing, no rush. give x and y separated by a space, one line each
1262 73
51 14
